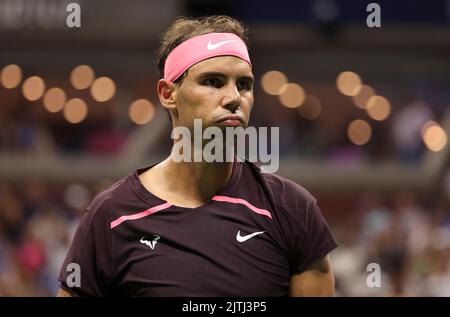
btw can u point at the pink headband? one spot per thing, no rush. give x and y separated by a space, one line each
201 47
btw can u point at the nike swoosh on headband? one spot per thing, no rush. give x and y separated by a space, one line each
212 46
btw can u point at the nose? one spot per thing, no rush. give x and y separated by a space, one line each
232 99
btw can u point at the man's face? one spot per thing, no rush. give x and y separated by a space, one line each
213 89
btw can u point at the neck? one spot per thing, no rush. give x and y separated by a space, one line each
198 181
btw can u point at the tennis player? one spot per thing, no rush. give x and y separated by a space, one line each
202 228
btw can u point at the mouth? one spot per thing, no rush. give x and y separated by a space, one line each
231 121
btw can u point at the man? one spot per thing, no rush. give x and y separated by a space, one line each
203 228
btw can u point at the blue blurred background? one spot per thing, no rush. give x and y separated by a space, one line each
364 117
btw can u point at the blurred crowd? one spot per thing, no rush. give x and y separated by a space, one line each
409 238
30 130
37 223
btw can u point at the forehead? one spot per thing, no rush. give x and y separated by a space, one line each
227 65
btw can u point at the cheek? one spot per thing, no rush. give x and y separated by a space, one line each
248 104
187 103
203 102
194 106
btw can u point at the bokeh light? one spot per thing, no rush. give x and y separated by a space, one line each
82 77
363 96
378 108
141 111
359 132
273 81
292 96
11 76
75 110
33 88
349 83
103 89
434 136
54 99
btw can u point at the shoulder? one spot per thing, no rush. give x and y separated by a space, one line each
101 205
280 186
288 189
290 199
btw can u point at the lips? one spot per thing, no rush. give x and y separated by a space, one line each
231 120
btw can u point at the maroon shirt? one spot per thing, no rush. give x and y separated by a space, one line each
246 241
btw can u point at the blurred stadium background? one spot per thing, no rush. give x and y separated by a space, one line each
364 117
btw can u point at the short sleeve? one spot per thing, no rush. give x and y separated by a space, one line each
90 251
314 241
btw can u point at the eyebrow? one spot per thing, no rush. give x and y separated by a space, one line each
251 79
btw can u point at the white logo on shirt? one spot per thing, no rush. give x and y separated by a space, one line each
240 238
212 46
150 243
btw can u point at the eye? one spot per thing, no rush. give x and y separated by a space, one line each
244 85
212 81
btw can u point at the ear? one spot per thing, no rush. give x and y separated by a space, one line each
167 94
